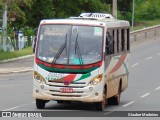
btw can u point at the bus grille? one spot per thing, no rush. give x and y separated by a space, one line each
79 89
67 95
71 85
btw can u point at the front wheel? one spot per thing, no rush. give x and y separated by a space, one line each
60 101
115 100
100 106
40 103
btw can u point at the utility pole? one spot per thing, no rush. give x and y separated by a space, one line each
114 8
132 14
4 27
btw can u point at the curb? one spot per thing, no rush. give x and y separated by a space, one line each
20 71
18 58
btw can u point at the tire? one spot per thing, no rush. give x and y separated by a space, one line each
40 103
67 102
60 101
100 106
63 102
115 100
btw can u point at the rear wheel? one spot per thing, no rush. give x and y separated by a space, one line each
100 106
115 100
60 101
63 102
40 103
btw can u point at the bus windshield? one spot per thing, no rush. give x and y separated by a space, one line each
70 45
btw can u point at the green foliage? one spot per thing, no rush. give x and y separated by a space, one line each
67 8
29 33
146 23
11 34
17 17
1 50
14 54
125 16
22 13
147 9
125 10
41 9
124 5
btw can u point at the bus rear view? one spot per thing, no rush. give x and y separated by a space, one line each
70 62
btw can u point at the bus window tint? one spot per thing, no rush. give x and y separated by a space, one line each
109 44
128 40
73 45
117 40
123 39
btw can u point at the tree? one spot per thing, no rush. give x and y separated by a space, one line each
125 5
147 9
16 16
125 9
41 9
67 8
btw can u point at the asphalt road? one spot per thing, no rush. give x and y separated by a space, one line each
142 94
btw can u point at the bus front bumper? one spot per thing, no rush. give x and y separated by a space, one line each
86 94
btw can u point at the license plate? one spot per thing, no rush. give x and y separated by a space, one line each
66 90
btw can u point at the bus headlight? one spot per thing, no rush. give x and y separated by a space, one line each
39 78
96 80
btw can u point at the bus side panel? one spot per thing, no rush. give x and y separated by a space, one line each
124 83
117 70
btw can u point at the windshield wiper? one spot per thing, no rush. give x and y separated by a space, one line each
78 51
60 51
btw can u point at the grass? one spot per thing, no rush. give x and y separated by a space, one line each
145 23
14 54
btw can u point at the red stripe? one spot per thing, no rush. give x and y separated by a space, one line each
119 63
69 78
69 67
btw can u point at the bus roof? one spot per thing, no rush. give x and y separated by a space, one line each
90 19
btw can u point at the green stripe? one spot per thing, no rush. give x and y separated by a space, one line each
83 76
124 64
68 70
116 57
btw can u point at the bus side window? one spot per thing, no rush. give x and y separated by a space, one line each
117 41
109 44
125 42
128 40
123 39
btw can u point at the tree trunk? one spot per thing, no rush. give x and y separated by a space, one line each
16 38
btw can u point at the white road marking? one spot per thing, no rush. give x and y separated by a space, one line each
128 104
14 107
145 95
107 113
149 58
134 65
22 70
157 88
18 71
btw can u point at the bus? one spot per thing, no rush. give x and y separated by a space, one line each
81 59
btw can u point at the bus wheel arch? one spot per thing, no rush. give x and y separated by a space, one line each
120 85
115 100
100 106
